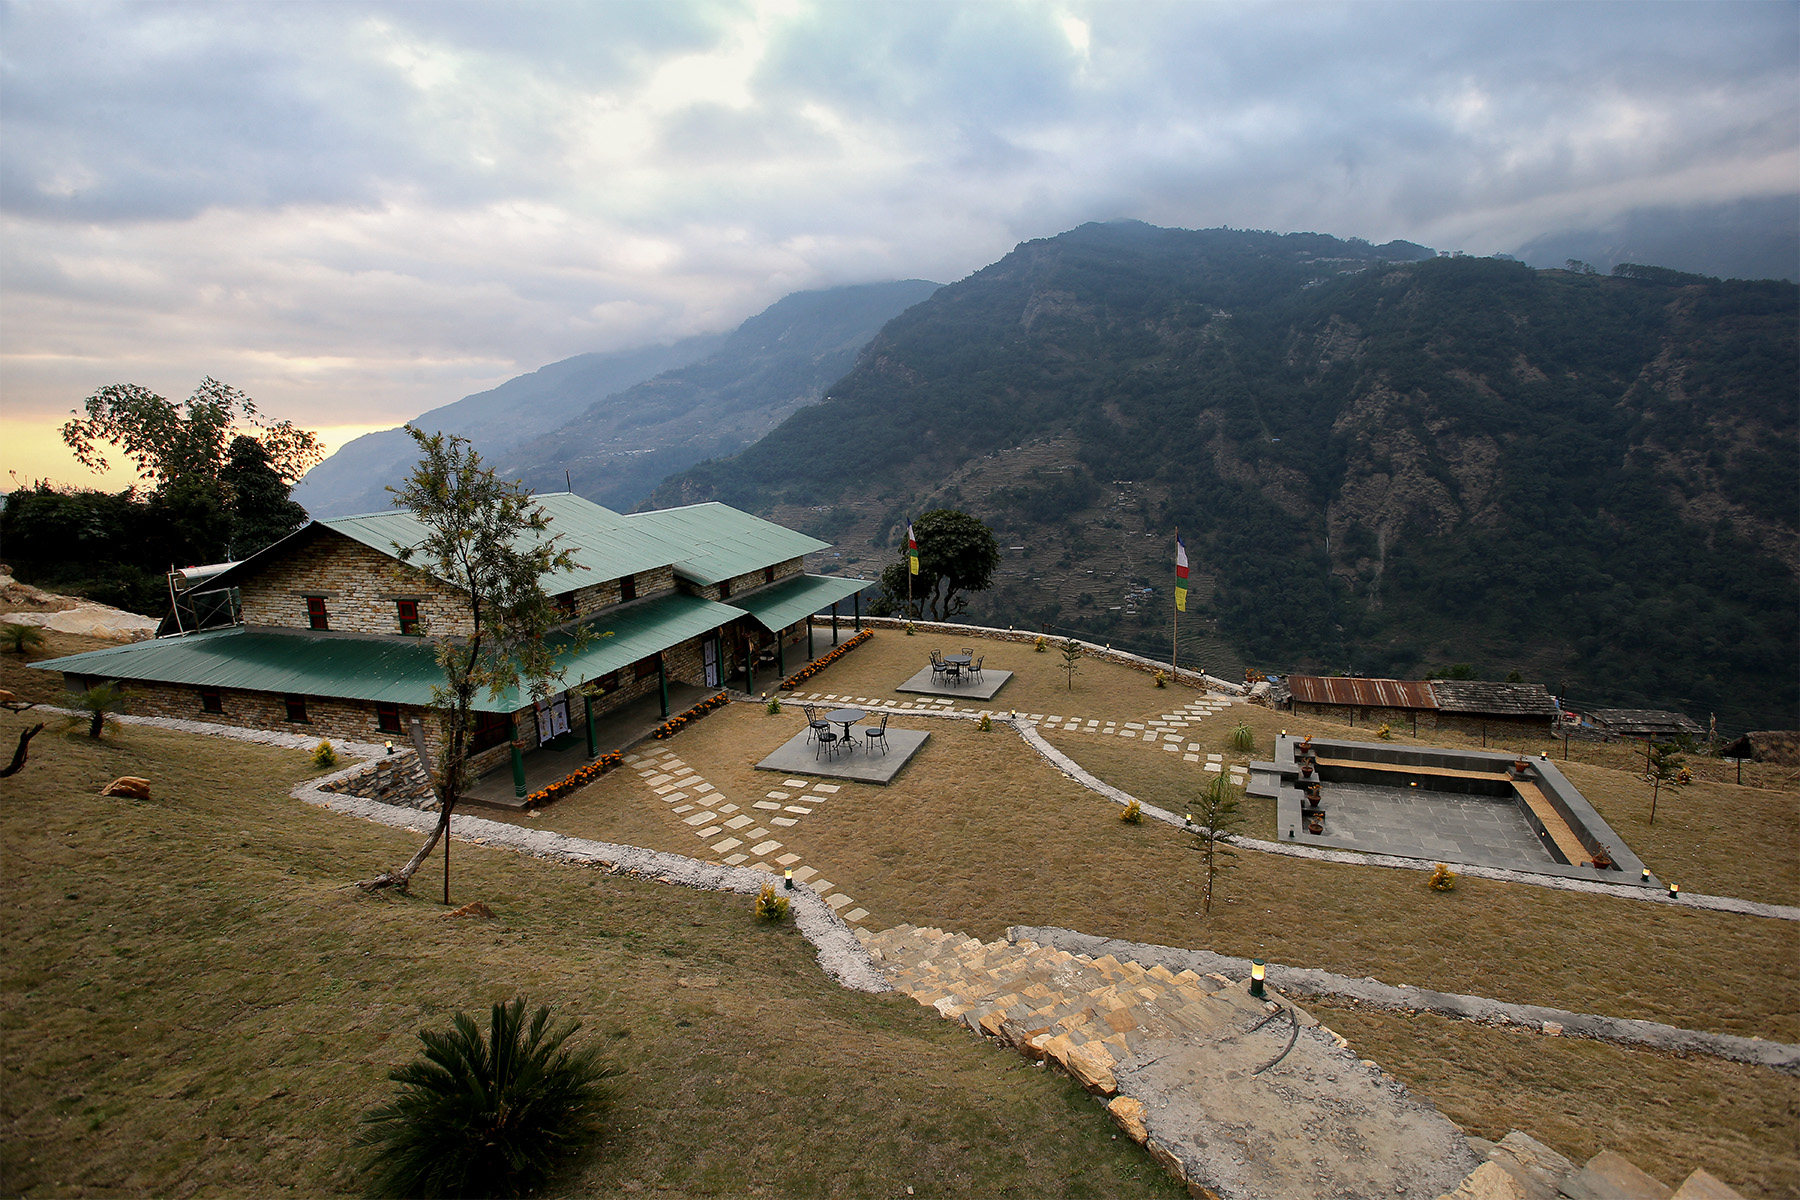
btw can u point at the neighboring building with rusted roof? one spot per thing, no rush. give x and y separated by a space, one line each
1493 709
1643 723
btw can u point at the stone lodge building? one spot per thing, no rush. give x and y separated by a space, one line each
335 632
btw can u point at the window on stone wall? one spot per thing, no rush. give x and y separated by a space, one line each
565 605
296 708
724 589
491 729
768 574
627 588
387 718
409 617
316 616
645 668
608 682
211 701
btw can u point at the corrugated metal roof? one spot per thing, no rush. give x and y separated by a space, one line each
718 542
796 598
604 544
389 669
1366 693
1495 699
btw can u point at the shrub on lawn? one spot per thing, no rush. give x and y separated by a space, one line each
1132 814
1443 879
323 755
485 1117
1243 737
769 906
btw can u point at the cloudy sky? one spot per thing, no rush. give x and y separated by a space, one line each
359 211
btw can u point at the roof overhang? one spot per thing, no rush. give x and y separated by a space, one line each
796 598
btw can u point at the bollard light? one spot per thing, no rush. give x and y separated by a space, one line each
1645 877
390 746
1290 833
789 881
1674 891
1257 972
1188 817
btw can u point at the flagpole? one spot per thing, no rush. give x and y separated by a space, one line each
1175 637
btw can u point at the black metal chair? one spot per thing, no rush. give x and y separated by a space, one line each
827 743
877 734
952 673
815 724
937 664
975 667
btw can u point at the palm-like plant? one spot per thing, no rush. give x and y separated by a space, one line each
485 1118
19 637
95 703
1243 737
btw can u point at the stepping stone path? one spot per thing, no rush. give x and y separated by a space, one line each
736 836
1166 732
1242 1096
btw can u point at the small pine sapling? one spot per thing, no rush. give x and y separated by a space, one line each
1664 767
323 755
1071 663
1384 733
773 707
1161 678
1216 819
1443 879
1132 814
985 725
1040 644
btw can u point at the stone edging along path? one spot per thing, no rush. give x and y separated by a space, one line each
1304 981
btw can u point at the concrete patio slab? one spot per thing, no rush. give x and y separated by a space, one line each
924 684
798 756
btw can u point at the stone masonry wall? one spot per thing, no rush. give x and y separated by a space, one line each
398 779
604 594
329 718
751 580
361 587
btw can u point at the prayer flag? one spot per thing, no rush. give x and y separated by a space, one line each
912 550
1181 574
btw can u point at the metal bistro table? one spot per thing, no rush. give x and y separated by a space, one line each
961 663
845 717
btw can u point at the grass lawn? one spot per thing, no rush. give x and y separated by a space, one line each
195 1000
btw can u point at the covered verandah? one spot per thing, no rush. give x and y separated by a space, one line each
783 611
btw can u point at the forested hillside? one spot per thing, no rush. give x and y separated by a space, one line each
1380 465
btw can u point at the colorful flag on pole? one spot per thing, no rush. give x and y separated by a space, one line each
912 550
1181 574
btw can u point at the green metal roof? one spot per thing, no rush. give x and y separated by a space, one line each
715 541
389 669
796 598
604 544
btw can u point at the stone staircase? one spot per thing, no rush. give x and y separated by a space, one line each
1234 1096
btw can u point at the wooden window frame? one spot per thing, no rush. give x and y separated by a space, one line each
627 588
317 617
407 612
296 705
387 717
768 574
565 605
645 668
211 701
491 729
724 589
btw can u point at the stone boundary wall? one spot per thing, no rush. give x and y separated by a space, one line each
1183 676
398 779
1556 1022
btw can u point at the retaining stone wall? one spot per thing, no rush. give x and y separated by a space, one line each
398 779
1137 662
326 718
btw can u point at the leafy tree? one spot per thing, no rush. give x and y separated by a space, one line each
219 492
1218 819
957 556
487 538
1664 766
485 1117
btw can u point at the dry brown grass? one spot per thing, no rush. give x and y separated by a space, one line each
1668 1114
194 999
43 687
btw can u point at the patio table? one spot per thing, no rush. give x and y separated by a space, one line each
845 717
961 663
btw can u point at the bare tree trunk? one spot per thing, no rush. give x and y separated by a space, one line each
18 758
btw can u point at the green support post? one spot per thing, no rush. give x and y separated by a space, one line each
662 682
834 605
518 758
587 712
856 603
809 645
749 668
780 654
